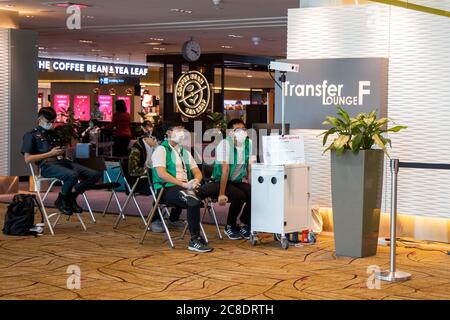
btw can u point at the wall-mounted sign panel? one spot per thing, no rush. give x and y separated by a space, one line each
82 107
105 106
357 84
192 94
116 80
127 100
58 65
61 103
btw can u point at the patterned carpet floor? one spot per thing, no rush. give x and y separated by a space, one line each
114 265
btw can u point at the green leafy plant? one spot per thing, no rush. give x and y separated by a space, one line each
70 130
358 133
156 120
217 120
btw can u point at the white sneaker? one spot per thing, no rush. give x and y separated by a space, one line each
38 230
157 226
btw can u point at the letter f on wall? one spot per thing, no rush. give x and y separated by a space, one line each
74 20
363 91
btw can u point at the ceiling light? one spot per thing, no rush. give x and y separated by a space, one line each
181 10
227 47
86 41
249 76
153 43
41 48
30 17
256 40
88 17
156 39
235 36
65 4
160 49
96 50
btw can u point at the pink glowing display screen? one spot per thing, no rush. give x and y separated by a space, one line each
127 100
105 106
82 107
61 103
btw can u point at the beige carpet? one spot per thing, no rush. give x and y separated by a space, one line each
114 265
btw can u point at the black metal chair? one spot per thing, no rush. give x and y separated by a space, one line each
132 193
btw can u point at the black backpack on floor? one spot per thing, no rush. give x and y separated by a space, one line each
19 218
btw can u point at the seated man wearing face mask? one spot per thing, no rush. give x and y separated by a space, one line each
233 160
140 158
175 167
139 162
43 147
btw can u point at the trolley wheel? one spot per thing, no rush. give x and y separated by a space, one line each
285 244
253 239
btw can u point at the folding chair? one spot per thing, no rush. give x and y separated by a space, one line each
162 209
113 191
208 203
41 198
98 164
132 194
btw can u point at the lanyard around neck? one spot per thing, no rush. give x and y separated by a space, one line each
181 158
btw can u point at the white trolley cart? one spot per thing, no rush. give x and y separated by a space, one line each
280 200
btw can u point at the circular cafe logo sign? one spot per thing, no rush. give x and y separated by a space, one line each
192 94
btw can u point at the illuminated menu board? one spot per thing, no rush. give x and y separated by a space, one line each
61 103
105 106
82 107
127 100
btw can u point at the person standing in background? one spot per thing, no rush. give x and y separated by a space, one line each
121 125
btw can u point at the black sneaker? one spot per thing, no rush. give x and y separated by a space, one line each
198 245
63 204
232 233
189 196
75 207
245 232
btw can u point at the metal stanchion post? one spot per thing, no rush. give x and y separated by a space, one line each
393 275
283 101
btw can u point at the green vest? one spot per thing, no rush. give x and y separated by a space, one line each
217 170
171 166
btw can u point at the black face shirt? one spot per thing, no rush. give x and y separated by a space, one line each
39 141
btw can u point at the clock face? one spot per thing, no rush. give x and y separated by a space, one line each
191 50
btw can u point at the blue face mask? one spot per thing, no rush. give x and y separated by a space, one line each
47 126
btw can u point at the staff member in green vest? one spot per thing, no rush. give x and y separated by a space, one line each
233 160
175 166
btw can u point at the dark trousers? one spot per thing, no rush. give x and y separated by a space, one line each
171 197
70 173
238 194
120 146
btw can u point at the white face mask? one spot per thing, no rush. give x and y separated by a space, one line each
177 137
240 135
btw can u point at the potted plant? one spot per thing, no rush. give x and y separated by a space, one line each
357 179
217 121
70 131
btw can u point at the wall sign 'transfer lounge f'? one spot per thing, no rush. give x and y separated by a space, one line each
192 94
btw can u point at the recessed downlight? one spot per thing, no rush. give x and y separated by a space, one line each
181 10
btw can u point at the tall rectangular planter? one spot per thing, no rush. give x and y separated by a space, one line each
356 183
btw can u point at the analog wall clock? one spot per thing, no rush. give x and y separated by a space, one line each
191 50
